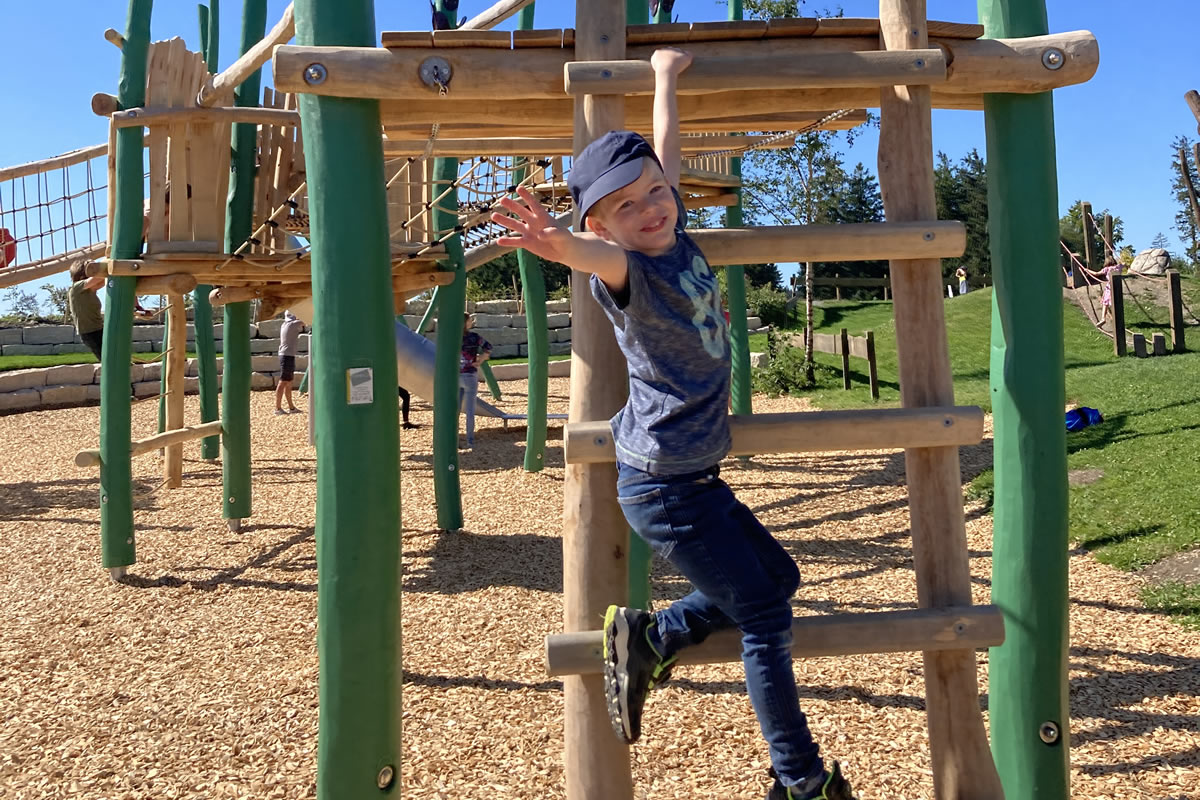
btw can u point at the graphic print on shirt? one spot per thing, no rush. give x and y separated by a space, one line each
700 284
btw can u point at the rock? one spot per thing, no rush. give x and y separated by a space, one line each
71 348
554 306
506 351
71 374
1154 261
219 331
49 334
497 307
759 360
145 347
753 323
502 336
20 400
560 334
11 336
18 379
152 372
145 389
517 321
264 345
302 343
27 349
191 385
269 328
93 392
64 395
560 348
261 380
559 320
413 320
148 333
493 320
193 367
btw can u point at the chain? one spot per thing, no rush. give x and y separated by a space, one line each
777 137
443 90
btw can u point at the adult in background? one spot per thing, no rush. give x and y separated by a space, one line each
289 336
961 274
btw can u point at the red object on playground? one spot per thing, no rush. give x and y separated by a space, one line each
8 248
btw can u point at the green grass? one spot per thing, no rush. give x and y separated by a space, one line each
29 362
1177 599
1147 504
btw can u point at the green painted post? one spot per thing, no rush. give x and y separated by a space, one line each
451 304
637 12
663 12
735 277
202 318
235 383
430 310
1028 674
485 369
116 470
533 291
357 422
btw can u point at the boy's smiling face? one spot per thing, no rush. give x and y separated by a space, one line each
640 216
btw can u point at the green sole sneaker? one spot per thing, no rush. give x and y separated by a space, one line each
631 667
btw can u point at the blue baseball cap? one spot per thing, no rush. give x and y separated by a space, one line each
610 163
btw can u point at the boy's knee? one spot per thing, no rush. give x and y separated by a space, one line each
770 620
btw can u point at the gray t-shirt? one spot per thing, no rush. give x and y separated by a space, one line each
670 326
289 336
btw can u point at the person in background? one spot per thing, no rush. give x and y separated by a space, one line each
289 336
475 351
961 274
84 304
1111 267
405 402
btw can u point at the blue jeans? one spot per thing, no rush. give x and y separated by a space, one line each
742 577
468 388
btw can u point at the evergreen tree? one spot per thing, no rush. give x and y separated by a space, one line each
1160 241
961 193
1070 231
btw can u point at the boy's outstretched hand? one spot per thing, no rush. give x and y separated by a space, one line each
670 59
535 229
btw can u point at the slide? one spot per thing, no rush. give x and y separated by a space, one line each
415 357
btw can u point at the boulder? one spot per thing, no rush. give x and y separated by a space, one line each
264 346
71 374
557 306
759 359
49 334
152 372
558 320
193 367
261 380
502 336
93 392
70 395
11 336
18 379
560 348
517 321
269 328
753 323
493 320
497 307
148 333
145 347
1154 261
506 351
145 388
302 343
71 348
27 349
413 320
20 400
560 334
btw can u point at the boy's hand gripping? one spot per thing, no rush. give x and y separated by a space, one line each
535 229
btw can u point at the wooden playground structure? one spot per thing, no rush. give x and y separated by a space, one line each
374 184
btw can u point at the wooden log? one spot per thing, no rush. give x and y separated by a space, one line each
961 759
1139 345
929 629
174 284
868 241
485 73
1091 258
218 88
1192 98
175 368
225 114
763 71
1159 344
105 104
872 367
711 201
844 341
811 432
1116 289
50 164
91 458
595 533
1175 304
233 294
494 15
114 37
11 276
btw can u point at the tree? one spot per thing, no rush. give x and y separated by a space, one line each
961 193
856 199
1071 228
1186 179
59 298
22 305
1160 241
495 279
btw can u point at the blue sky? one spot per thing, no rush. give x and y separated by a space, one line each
1113 133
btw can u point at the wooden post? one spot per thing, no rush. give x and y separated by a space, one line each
844 347
1117 290
1175 300
1108 240
595 533
1159 344
174 367
872 368
962 763
837 288
357 423
1090 256
1139 345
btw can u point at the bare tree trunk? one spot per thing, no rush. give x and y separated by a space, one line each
1186 169
809 374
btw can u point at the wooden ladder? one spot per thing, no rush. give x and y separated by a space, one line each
946 628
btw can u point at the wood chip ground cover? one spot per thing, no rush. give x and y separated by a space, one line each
198 679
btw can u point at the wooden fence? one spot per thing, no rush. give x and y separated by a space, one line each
844 345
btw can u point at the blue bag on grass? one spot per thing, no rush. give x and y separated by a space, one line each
1083 417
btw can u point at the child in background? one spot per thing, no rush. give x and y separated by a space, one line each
84 304
475 351
657 288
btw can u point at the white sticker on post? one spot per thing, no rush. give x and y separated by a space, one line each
360 386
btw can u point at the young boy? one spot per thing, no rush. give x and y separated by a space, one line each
656 287
84 304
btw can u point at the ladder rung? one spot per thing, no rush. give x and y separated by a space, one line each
812 432
860 241
953 628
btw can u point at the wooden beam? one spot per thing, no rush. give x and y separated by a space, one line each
1192 98
493 16
175 367
176 283
961 760
711 201
763 71
561 145
220 86
484 73
811 432
11 276
193 115
50 164
868 241
114 37
105 104
91 458
929 629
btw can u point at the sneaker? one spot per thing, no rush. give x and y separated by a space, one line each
295 411
835 788
279 412
408 426
631 668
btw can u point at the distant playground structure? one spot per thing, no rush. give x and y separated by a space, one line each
357 152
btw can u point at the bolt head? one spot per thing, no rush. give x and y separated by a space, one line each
1048 732
450 467
606 73
920 63
385 777
315 74
928 236
1053 58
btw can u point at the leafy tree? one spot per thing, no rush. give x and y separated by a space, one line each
1184 157
59 301
495 279
22 305
961 193
1070 230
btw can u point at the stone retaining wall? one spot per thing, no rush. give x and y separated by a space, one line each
44 340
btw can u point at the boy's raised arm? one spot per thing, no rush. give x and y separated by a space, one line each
668 63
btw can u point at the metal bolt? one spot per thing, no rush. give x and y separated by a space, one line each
604 37
103 498
233 500
928 236
948 422
920 62
315 74
1053 58
960 628
1048 732
129 540
385 777
451 467
539 455
606 73
599 441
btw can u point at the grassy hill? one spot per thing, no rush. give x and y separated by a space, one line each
1146 506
